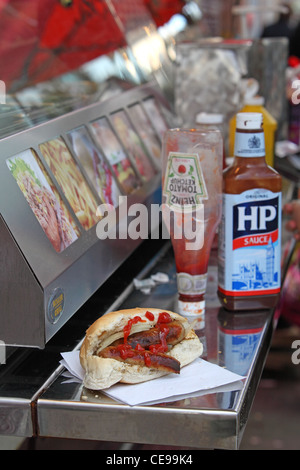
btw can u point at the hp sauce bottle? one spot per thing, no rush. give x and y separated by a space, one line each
249 261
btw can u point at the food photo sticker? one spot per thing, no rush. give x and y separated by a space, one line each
43 199
133 144
71 181
146 131
95 166
116 156
156 117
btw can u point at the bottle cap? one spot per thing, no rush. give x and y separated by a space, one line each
209 118
249 121
255 101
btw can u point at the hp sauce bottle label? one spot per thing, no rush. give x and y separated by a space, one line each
250 243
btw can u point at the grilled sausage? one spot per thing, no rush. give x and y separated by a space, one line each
145 339
141 358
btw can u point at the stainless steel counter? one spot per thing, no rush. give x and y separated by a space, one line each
35 401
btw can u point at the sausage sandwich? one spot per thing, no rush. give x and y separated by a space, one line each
137 345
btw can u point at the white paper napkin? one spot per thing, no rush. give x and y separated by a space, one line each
199 378
71 361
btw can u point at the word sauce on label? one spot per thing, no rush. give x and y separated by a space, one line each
250 243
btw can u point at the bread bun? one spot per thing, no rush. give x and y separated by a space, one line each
101 373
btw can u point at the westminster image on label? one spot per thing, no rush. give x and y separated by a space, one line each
256 234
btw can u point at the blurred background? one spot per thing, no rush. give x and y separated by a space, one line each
58 55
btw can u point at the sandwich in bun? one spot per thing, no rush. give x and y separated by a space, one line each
137 345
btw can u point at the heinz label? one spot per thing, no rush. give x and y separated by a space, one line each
184 181
250 243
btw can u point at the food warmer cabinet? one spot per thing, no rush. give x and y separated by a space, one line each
55 180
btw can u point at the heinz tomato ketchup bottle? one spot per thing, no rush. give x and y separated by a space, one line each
250 230
192 206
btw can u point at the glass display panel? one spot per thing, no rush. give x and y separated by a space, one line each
156 117
71 181
133 144
146 131
116 156
43 199
95 166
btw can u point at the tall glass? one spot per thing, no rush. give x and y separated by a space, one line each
192 208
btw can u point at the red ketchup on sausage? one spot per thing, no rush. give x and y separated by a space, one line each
126 350
127 328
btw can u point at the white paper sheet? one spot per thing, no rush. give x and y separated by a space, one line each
196 379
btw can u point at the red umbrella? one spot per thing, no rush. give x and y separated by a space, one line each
40 39
43 39
163 10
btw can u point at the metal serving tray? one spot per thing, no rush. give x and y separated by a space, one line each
239 342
